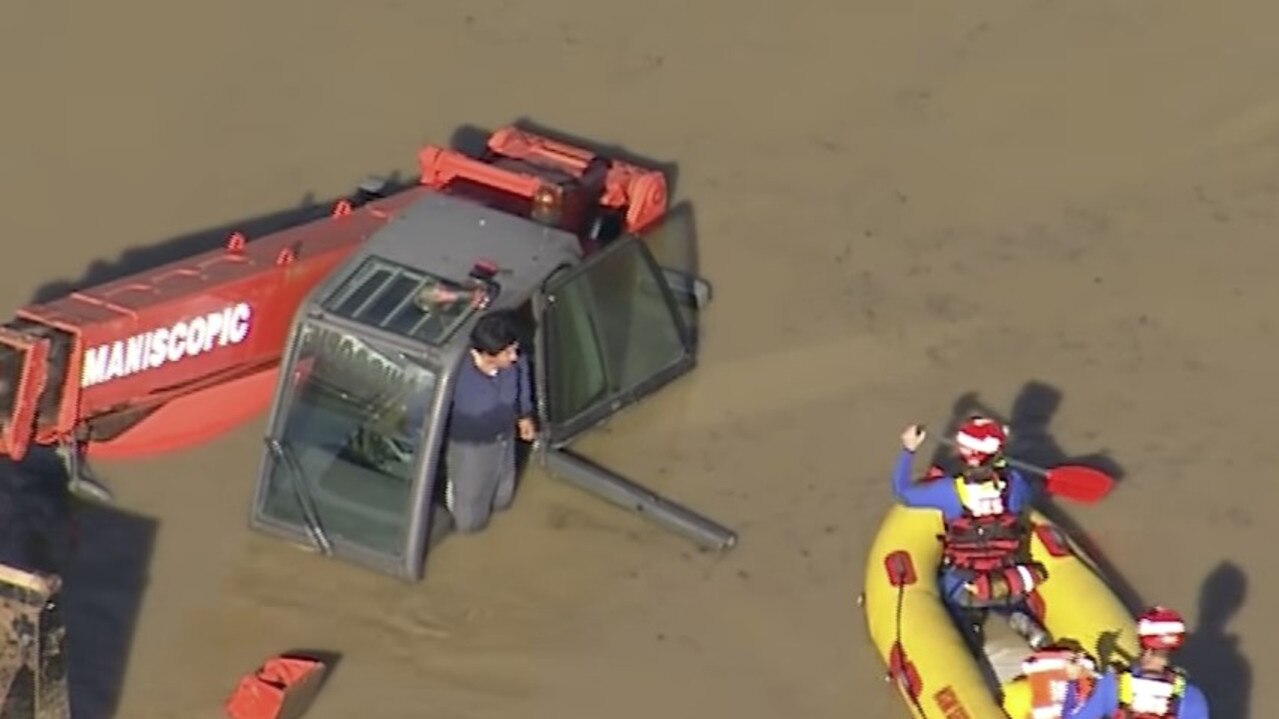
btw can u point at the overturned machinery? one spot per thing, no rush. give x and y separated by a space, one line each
33 668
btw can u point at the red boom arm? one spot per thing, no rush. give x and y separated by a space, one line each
126 351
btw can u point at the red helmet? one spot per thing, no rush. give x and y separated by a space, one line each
980 440
1161 628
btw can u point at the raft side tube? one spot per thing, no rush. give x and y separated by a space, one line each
925 640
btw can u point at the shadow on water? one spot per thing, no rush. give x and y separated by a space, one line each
1211 654
104 588
102 554
1032 441
181 247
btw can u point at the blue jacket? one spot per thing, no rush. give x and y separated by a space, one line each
1104 700
941 493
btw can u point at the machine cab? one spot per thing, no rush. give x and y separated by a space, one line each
359 422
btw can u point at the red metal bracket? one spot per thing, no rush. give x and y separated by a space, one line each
439 167
535 149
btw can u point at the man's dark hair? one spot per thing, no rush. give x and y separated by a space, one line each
493 333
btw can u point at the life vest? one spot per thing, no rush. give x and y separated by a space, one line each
1047 673
1150 697
986 537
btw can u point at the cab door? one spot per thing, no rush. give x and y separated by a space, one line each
610 332
22 380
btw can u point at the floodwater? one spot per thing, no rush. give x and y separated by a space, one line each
1065 212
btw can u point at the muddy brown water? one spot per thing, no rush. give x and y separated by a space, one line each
1065 208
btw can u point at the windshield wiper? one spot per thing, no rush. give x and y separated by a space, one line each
306 500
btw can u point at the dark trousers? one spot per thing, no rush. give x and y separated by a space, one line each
481 480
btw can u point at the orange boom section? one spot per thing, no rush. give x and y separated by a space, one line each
175 347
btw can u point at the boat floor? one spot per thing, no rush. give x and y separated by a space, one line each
1005 650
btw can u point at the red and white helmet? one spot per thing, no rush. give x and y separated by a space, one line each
980 439
1161 628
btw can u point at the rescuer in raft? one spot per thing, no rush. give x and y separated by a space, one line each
1152 688
986 561
1052 671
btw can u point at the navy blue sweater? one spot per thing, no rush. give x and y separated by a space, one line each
485 408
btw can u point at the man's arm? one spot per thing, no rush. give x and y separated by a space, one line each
1194 705
524 391
939 494
1023 492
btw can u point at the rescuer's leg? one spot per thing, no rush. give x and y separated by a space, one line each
506 477
1010 591
472 483
967 611
1024 619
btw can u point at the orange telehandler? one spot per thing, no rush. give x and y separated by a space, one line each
174 356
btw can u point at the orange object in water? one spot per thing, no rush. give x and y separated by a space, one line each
1049 674
282 688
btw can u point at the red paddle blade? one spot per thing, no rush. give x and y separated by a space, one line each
1078 483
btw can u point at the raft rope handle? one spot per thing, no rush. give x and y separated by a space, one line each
901 673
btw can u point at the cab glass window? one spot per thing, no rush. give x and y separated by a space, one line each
348 440
610 328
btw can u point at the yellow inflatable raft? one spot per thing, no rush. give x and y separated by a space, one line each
927 656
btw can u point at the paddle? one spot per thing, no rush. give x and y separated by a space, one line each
1072 481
